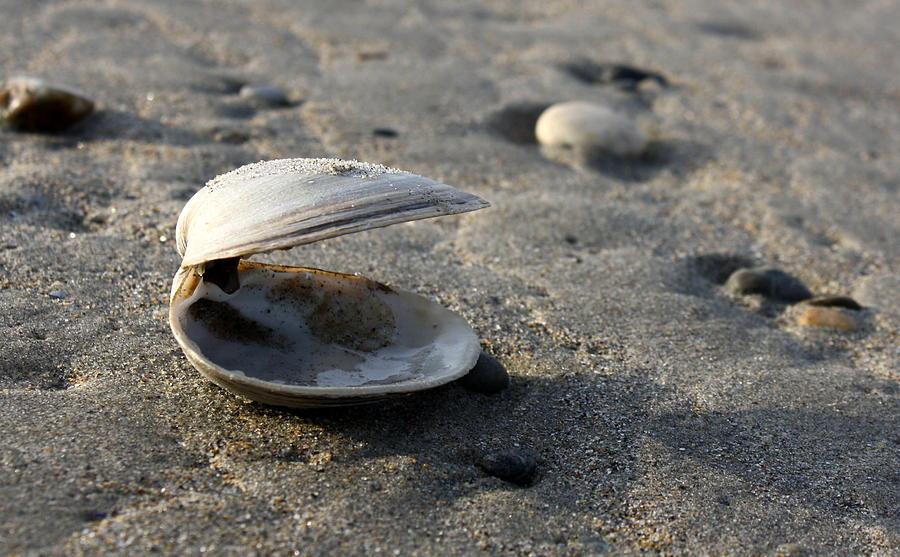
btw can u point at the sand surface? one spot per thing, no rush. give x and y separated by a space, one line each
669 415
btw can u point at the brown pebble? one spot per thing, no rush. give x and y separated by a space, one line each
834 301
31 104
818 316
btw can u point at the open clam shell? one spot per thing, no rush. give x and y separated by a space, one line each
303 337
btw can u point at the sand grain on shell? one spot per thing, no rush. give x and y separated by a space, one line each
333 167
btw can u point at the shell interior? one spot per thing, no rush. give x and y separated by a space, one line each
316 332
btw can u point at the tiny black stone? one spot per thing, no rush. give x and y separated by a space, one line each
92 515
571 239
769 282
517 466
384 132
487 377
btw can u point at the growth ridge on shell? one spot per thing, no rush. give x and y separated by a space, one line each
333 167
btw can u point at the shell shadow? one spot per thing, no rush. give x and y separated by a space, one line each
592 436
446 431
822 458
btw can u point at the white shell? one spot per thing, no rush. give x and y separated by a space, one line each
303 337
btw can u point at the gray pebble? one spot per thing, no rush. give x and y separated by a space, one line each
769 282
487 377
271 95
58 294
516 466
32 104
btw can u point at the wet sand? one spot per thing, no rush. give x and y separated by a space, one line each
669 415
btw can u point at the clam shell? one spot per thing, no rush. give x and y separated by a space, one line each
303 337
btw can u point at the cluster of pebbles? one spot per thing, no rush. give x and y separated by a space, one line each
824 311
31 104
581 131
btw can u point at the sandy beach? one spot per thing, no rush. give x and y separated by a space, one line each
668 413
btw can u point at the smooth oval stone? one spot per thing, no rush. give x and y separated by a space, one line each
829 318
487 377
264 94
589 128
32 104
516 466
834 301
769 282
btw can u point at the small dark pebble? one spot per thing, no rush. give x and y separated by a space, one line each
516 466
834 301
571 239
93 516
384 132
31 104
487 377
627 76
771 283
